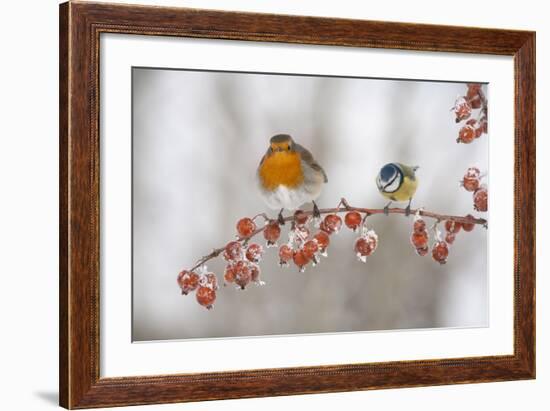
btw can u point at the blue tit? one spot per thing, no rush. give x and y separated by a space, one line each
397 182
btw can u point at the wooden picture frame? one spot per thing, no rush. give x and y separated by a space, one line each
80 27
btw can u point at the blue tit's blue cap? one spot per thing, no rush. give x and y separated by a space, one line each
388 172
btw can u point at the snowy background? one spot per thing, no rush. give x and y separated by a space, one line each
197 141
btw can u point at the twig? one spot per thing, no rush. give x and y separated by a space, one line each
483 103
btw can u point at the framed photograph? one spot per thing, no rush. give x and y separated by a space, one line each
259 205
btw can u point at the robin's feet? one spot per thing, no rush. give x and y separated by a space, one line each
316 212
280 217
387 209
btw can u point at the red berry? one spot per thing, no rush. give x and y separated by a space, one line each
188 281
422 251
310 248
471 179
323 240
470 184
323 227
254 253
475 102
366 245
468 226
255 273
419 239
233 251
466 135
480 199
473 90
452 226
272 232
300 217
243 276
333 223
301 259
473 172
419 226
363 247
353 220
206 296
440 252
209 280
285 254
450 238
477 127
245 227
462 109
229 274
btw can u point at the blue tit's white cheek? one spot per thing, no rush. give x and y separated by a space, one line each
393 186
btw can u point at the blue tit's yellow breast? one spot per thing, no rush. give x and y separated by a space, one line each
281 168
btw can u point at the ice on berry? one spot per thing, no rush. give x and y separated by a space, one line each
206 296
245 227
462 109
188 281
272 232
366 245
233 251
332 224
254 253
440 252
301 259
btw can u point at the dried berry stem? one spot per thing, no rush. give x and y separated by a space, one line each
343 208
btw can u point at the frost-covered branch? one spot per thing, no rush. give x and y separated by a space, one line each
303 247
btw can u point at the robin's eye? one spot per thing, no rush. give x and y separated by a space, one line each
288 147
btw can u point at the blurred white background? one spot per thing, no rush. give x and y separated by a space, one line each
197 140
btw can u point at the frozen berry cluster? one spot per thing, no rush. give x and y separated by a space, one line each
308 240
302 247
243 257
464 107
420 238
440 247
472 182
204 284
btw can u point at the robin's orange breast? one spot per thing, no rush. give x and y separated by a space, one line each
281 168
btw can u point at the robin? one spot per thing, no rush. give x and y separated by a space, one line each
397 182
289 176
